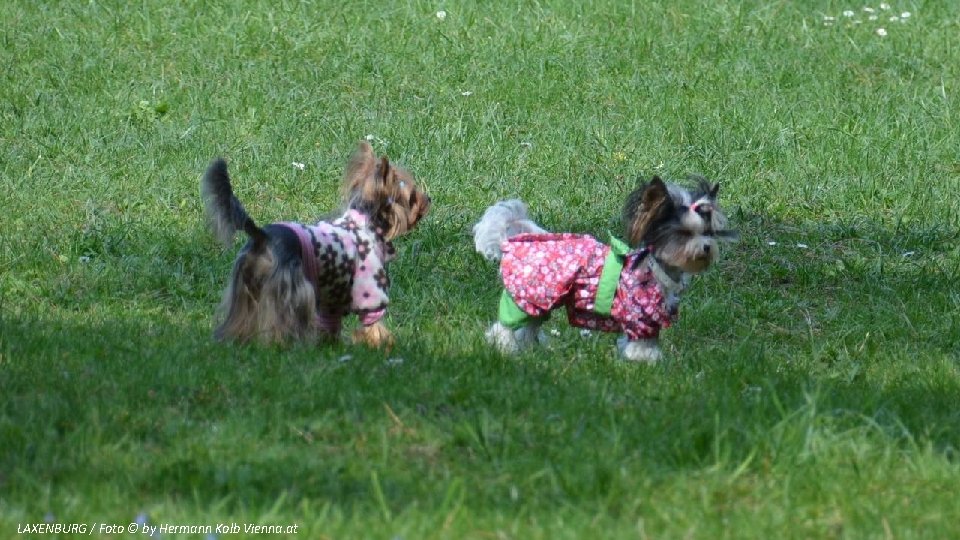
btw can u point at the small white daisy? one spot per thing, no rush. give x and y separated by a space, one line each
771 243
299 166
884 6
894 19
868 9
441 14
848 13
872 18
466 93
905 15
881 32
369 137
828 18
802 246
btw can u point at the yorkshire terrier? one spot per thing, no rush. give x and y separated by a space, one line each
631 288
295 281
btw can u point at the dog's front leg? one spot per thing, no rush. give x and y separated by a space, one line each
374 335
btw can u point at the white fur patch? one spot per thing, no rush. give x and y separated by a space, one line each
501 221
646 351
511 342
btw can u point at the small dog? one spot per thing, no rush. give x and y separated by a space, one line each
297 281
631 288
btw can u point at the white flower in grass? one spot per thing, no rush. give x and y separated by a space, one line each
848 13
872 18
884 6
868 9
828 18
894 19
299 166
905 15
802 246
881 32
771 243
441 14
466 93
345 358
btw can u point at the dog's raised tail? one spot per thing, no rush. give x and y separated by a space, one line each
501 221
225 213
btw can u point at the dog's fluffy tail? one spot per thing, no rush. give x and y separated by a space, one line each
499 222
225 213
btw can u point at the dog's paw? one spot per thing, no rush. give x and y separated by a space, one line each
646 351
375 335
502 338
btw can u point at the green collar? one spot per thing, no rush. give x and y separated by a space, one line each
610 276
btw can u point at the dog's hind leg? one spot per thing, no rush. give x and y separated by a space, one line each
512 341
287 307
241 300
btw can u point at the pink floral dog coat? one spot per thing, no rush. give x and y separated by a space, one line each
542 272
346 261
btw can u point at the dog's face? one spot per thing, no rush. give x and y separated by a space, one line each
384 191
683 228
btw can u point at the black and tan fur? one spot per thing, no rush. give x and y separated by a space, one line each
269 298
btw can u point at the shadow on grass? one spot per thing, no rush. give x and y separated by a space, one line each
851 334
153 408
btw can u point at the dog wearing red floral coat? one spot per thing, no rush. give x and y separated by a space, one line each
295 281
630 288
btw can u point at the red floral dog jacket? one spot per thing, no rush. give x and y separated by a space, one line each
544 271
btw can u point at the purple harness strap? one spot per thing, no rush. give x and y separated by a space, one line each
327 322
306 252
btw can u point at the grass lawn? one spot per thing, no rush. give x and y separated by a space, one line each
812 384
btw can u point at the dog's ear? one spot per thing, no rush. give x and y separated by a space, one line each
392 213
643 207
359 167
714 190
385 172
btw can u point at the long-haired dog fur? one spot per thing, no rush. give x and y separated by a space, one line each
631 288
295 282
